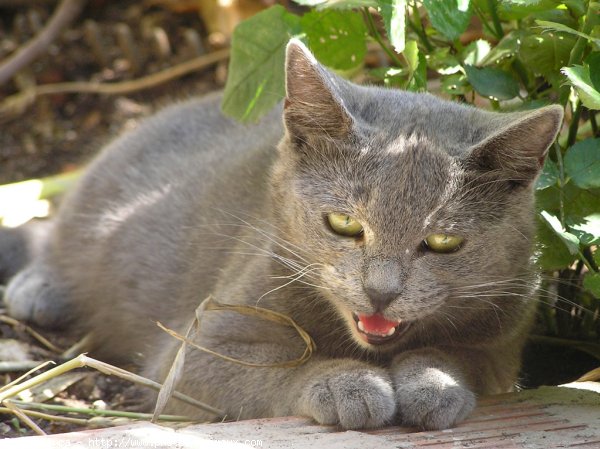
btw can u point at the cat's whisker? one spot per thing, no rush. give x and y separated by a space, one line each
266 235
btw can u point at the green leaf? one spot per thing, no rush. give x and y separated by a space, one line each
546 53
587 230
337 38
570 241
418 80
591 282
492 82
549 175
507 47
447 18
443 62
582 163
519 9
463 5
256 80
544 24
593 62
552 253
455 84
393 13
411 53
476 51
579 78
338 4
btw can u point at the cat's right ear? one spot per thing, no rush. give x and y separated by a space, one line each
313 106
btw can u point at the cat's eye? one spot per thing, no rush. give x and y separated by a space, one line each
443 243
345 225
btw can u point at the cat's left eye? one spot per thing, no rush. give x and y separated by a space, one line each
345 225
443 243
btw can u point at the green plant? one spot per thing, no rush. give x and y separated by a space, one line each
512 54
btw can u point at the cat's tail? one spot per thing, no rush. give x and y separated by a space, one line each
19 245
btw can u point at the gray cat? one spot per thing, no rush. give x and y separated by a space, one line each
395 228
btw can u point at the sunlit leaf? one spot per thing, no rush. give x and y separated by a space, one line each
393 13
507 47
338 4
549 175
256 69
587 230
579 78
337 38
570 241
552 253
447 18
476 51
544 24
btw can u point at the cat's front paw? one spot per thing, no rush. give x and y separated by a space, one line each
353 398
434 401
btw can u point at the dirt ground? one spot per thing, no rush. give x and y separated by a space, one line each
59 133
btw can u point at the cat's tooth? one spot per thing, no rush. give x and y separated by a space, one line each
390 332
361 326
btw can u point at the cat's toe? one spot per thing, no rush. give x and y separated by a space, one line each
433 406
353 399
32 295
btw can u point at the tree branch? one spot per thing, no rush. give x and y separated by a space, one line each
64 14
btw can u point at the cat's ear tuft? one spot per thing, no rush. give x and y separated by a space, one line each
313 105
518 149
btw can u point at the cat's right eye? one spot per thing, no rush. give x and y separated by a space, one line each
345 225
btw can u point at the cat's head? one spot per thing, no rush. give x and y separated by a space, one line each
408 209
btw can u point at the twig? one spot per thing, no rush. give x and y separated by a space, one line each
66 12
9 366
43 340
20 378
83 361
97 412
22 3
48 417
23 417
16 101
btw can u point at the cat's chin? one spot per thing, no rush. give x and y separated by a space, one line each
377 330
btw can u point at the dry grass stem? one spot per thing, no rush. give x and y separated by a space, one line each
209 304
24 418
20 378
39 337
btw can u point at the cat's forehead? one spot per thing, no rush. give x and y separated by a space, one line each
397 119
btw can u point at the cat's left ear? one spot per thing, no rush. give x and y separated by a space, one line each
519 148
313 104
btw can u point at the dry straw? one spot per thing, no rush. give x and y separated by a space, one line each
210 304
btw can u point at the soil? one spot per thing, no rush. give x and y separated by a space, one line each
59 133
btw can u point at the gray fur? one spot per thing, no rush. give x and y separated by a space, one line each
192 203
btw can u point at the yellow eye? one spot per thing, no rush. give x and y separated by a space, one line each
345 225
443 243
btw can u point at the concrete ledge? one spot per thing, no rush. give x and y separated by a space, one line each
549 417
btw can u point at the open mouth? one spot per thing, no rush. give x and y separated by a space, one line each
377 330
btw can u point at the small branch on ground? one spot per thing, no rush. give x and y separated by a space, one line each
16 103
65 13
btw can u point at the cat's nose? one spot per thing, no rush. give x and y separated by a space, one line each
380 299
383 282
